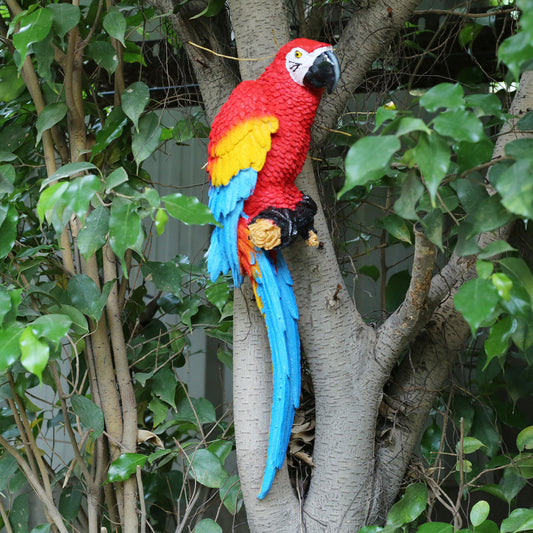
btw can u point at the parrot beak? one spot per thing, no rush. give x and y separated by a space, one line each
324 72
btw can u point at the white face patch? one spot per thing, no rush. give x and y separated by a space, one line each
298 62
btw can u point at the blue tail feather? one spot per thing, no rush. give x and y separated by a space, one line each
274 288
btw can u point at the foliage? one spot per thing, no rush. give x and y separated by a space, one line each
435 159
81 302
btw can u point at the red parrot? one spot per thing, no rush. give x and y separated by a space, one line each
257 146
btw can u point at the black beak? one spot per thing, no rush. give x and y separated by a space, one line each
324 72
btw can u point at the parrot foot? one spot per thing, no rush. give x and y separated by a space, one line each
264 233
312 239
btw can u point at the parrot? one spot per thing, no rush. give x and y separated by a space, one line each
257 146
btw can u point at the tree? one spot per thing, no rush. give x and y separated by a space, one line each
361 459
73 241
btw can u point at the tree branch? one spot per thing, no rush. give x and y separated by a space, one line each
49 505
401 327
365 37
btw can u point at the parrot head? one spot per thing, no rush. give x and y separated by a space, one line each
311 64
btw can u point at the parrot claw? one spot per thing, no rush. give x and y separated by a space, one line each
264 233
312 239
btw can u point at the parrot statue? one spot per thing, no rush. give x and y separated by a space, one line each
257 146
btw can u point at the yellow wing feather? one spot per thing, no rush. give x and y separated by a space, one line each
245 145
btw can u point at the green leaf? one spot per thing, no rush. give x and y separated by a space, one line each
410 507
201 411
503 284
518 520
524 440
430 442
484 269
516 192
115 24
517 268
19 515
207 525
161 219
11 84
213 8
499 337
221 448
67 171
511 484
231 495
112 130
134 100
34 27
146 140
65 17
164 385
495 248
435 527
188 209
479 513
125 466
361 169
92 235
43 528
459 124
515 51
103 53
85 296
52 327
70 502
34 352
433 224
8 231
432 155
10 342
165 276
91 416
116 178
409 124
469 445
218 294
443 95
79 194
159 410
207 468
476 300
125 229
49 116
395 226
411 191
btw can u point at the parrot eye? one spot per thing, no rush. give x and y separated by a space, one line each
297 54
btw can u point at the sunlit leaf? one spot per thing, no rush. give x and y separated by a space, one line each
479 512
33 27
524 440
34 352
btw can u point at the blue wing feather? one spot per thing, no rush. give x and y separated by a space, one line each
226 203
